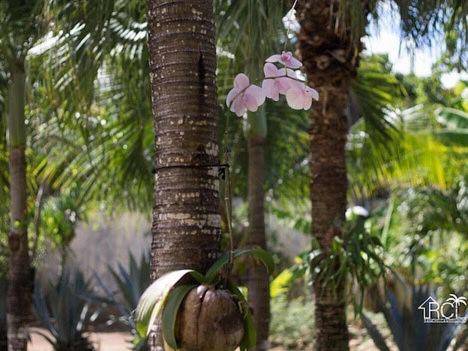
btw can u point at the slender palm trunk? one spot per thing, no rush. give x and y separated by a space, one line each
258 279
330 61
19 274
186 220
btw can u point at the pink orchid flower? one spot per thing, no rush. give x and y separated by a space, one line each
276 81
244 96
286 58
299 96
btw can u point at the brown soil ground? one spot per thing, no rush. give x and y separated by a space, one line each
114 341
118 341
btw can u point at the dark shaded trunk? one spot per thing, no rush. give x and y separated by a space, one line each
330 61
258 279
186 220
19 274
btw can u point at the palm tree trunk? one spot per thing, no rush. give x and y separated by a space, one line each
330 59
258 279
19 274
186 220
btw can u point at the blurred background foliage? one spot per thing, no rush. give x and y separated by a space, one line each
90 148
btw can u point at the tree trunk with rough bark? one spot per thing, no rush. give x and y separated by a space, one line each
330 59
258 279
19 274
186 220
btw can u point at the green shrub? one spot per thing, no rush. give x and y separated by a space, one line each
292 323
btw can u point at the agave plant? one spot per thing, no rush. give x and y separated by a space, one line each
131 282
399 305
63 309
201 312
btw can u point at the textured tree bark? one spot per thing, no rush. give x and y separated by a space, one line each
186 220
330 59
19 273
258 279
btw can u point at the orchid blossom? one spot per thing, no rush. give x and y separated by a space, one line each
276 81
286 59
244 96
300 96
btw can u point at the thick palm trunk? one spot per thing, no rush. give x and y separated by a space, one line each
19 274
330 62
258 279
186 220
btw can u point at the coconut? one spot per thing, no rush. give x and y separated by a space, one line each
209 320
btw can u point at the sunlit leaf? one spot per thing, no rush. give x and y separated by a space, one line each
153 299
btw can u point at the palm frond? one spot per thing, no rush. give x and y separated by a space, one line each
416 157
427 21
373 95
251 30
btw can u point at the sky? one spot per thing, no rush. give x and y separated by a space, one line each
385 38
